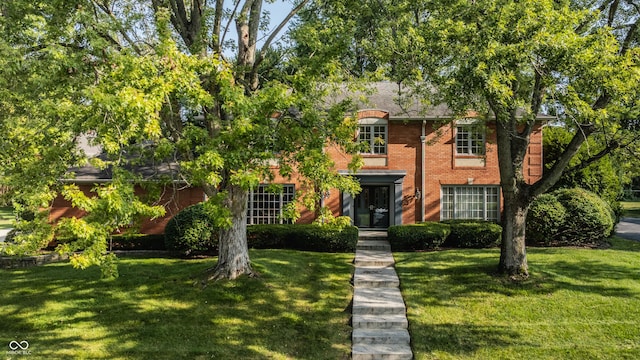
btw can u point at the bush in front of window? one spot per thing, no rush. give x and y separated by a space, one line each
307 237
190 231
423 236
589 219
474 234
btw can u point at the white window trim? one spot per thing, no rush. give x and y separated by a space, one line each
484 203
251 220
469 140
370 123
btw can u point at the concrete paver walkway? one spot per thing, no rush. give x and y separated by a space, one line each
379 314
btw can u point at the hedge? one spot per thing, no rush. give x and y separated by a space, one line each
309 237
473 234
423 236
137 242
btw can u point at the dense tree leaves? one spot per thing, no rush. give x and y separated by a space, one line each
157 82
509 61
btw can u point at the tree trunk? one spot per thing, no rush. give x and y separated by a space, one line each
511 151
513 255
233 257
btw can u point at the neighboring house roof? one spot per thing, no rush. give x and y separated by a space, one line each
88 173
153 172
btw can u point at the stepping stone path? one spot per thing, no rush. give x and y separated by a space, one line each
379 317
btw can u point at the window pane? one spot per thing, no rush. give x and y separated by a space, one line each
375 136
470 202
462 140
379 140
266 208
470 140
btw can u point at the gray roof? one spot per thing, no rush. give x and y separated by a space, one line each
401 102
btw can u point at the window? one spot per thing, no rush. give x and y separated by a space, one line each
470 202
376 137
470 140
266 207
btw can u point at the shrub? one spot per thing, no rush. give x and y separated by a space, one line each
473 234
569 217
424 236
309 237
590 218
137 242
545 219
190 231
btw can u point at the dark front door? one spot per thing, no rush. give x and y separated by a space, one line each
372 207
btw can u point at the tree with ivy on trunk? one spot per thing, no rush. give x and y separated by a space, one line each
508 61
163 82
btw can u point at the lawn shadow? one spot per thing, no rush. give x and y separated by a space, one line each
463 339
457 303
154 311
475 271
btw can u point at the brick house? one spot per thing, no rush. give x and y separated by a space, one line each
422 165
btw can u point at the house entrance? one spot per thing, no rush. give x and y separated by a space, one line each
372 207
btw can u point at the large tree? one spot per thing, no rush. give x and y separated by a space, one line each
509 61
161 81
514 60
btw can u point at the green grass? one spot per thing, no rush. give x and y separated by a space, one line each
297 309
577 304
631 208
6 217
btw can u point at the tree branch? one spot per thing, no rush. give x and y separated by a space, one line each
552 176
122 32
274 33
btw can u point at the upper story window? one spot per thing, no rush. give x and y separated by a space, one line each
374 133
470 138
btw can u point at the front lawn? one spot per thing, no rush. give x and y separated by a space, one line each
631 208
297 309
6 217
577 304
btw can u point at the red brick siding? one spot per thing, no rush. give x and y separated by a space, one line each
174 201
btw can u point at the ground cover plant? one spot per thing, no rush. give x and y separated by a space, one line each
631 208
576 304
296 309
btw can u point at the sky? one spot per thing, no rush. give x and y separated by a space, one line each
278 11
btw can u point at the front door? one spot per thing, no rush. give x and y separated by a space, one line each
372 207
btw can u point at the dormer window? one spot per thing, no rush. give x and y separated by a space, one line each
374 133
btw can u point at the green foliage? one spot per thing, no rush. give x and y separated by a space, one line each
473 234
545 219
28 236
153 87
137 242
604 177
191 231
309 237
423 236
569 217
591 219
109 207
